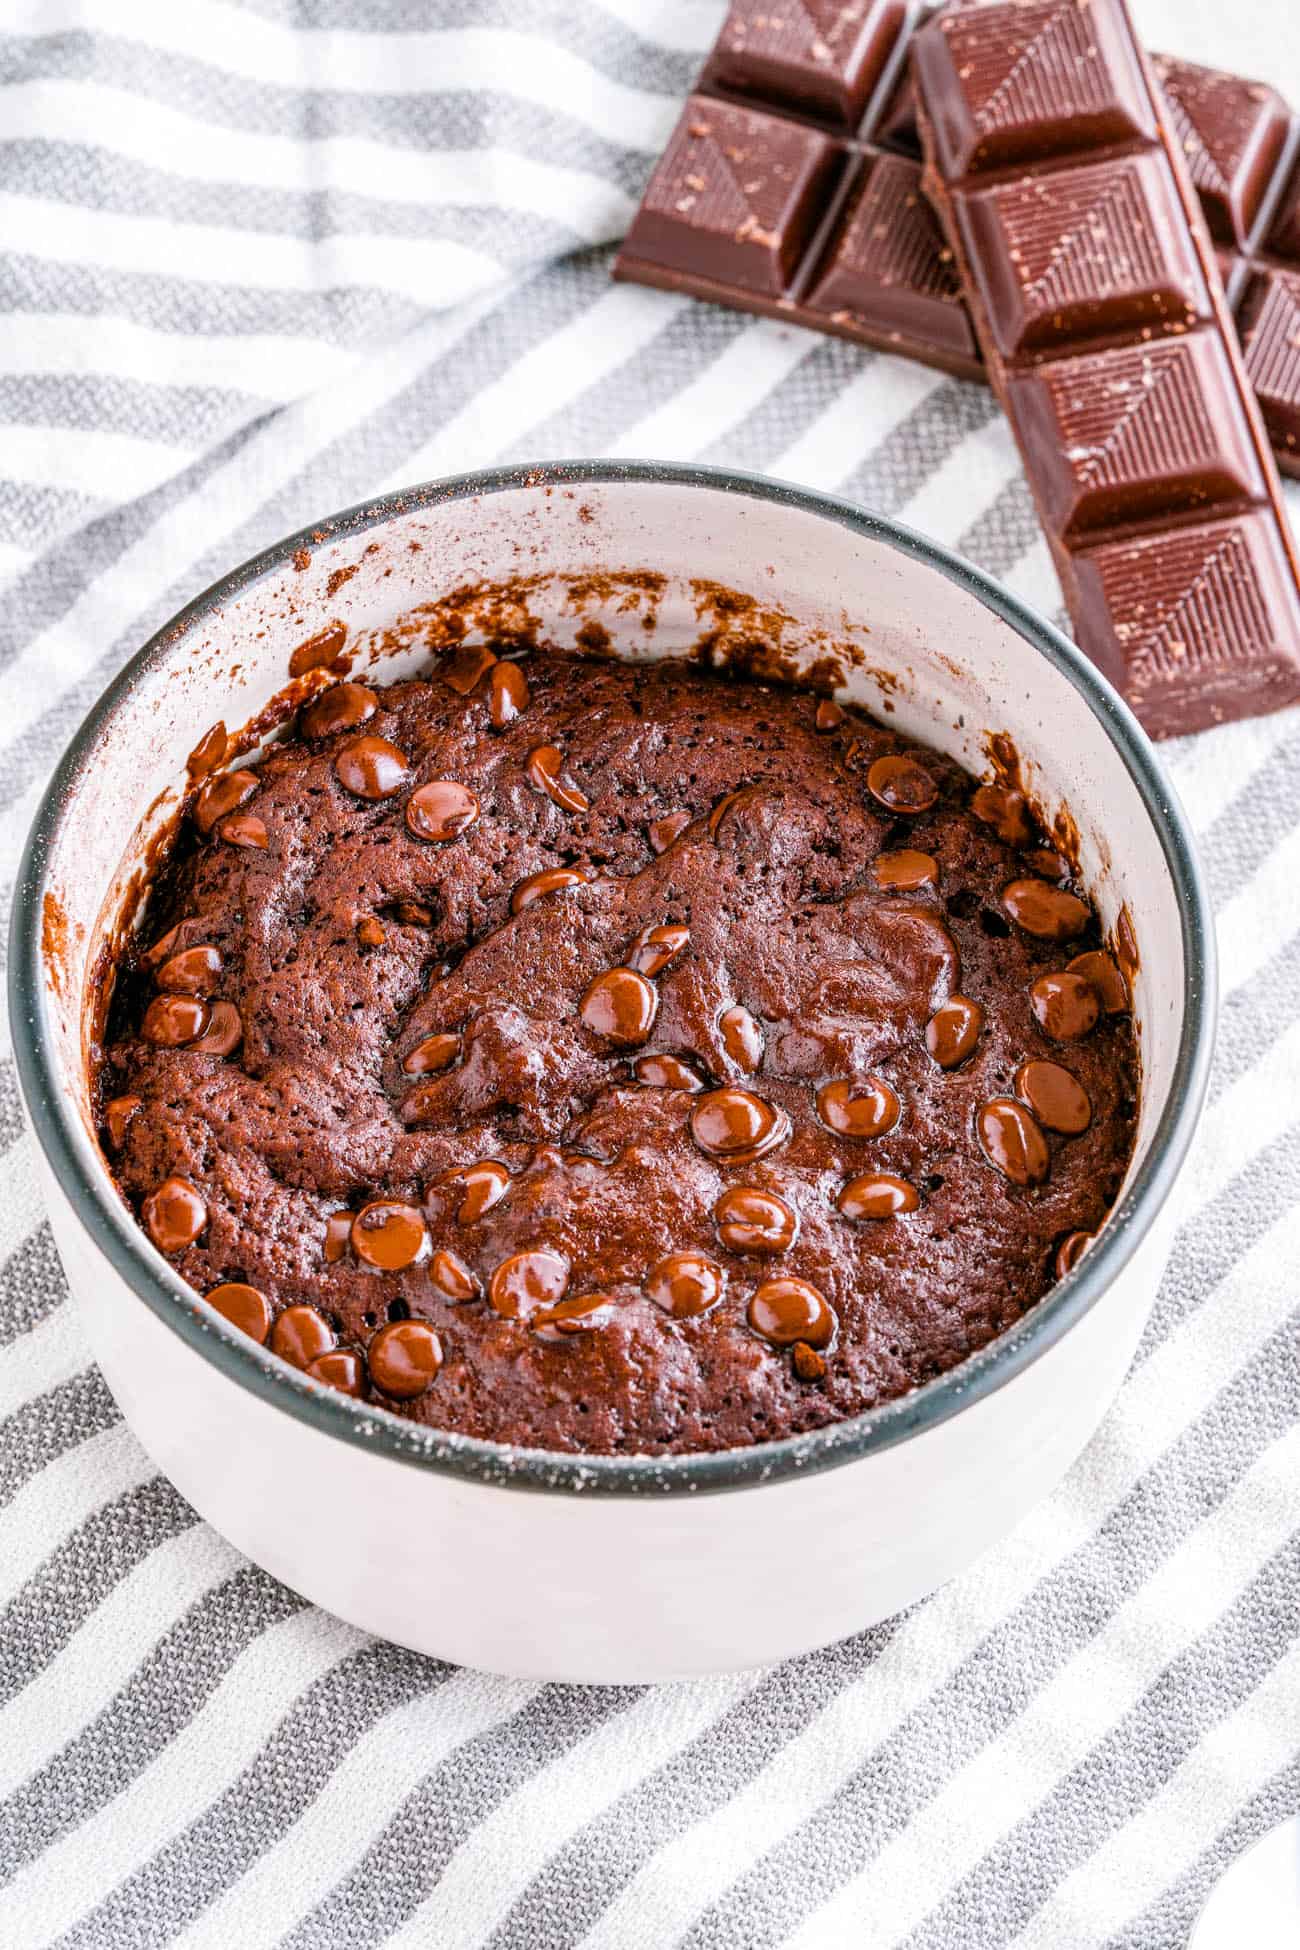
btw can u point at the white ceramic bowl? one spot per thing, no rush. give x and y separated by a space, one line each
611 1568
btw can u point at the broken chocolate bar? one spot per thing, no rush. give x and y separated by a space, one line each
847 243
1062 184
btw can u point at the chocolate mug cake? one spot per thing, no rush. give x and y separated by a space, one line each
615 1058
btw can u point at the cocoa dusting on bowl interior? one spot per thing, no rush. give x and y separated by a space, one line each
616 1058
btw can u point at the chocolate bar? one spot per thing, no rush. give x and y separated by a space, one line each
839 237
1062 183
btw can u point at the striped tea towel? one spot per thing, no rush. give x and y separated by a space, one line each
262 258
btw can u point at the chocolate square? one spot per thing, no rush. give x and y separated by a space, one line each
1231 133
821 56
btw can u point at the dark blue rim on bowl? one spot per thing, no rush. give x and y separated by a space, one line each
71 1156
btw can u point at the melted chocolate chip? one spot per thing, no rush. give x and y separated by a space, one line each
244 1307
657 948
371 768
1056 1097
787 1310
507 694
742 1038
666 1072
453 1279
404 1358
662 832
435 1053
752 1222
441 810
223 795
468 663
528 1280
1067 1006
877 1195
583 1313
807 1363
545 764
341 1368
388 1235
338 1237
736 1125
172 1021
1012 1141
1006 811
829 716
620 1006
175 1215
118 1112
193 971
477 1187
1071 1251
301 1334
244 829
1048 913
370 932
1105 976
903 872
953 1031
550 881
224 1033
341 708
858 1110
1047 863
901 784
685 1284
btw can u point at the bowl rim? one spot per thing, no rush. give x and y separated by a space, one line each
113 1229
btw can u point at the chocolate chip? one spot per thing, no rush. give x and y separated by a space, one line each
583 1313
666 1072
223 795
1106 978
404 1358
435 1053
441 810
244 829
787 1310
507 694
1067 1006
172 1021
620 1006
1012 1141
550 881
953 1031
858 1110
478 1187
754 1222
341 1368
193 971
662 832
300 1334
371 768
1048 913
657 948
244 1307
453 1279
224 1033
1046 862
742 1038
1006 811
1071 1251
1056 1097
389 1235
829 715
370 932
901 784
543 769
903 872
467 664
876 1195
118 1112
685 1284
341 708
338 1237
736 1125
528 1280
175 1215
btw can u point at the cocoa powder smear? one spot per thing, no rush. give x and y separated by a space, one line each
727 1126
